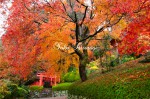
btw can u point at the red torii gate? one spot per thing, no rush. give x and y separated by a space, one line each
53 79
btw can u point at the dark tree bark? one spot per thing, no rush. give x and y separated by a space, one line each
82 68
82 53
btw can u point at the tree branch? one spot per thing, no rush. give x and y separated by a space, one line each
101 29
84 15
26 6
66 10
81 3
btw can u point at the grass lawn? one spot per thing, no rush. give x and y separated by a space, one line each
127 81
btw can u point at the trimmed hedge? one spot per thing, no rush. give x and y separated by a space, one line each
61 86
36 88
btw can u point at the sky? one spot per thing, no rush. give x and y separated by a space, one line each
3 17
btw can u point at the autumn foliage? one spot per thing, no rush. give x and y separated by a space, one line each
35 28
136 36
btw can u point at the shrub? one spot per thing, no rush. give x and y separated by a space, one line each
61 86
36 88
26 88
1 96
71 77
127 58
17 91
6 95
91 70
9 90
12 87
4 92
21 92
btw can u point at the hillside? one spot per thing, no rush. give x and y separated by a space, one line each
130 80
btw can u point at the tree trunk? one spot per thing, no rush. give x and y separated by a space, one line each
82 69
82 53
